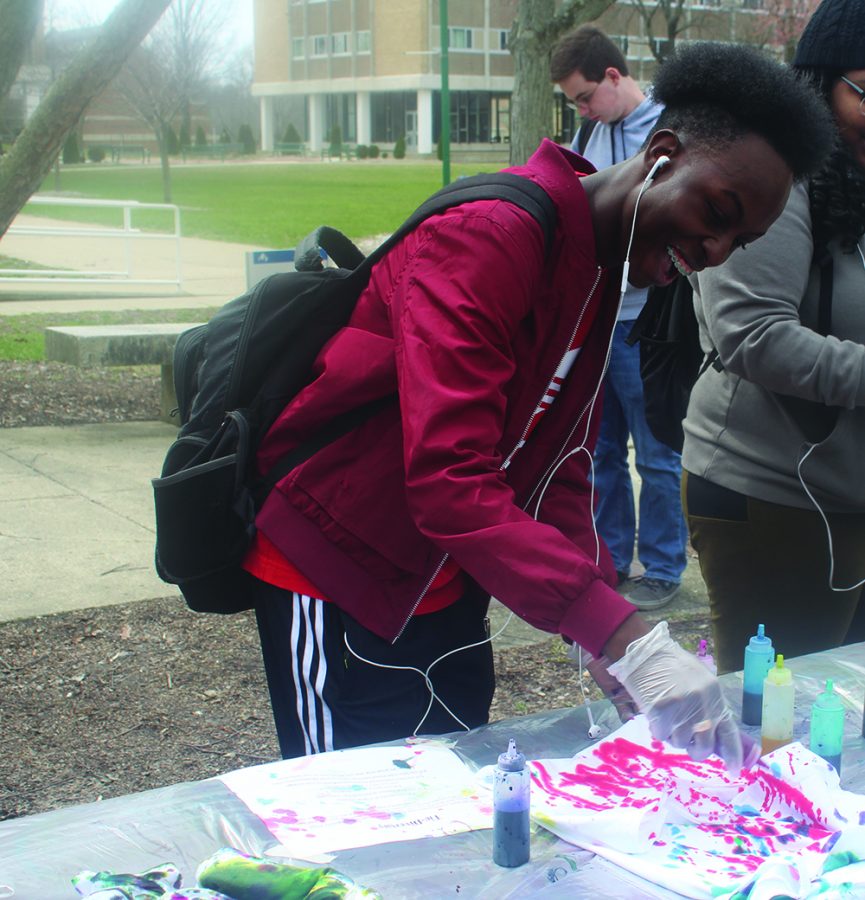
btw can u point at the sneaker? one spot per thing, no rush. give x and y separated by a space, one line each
652 593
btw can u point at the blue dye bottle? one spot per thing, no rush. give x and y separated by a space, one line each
759 658
827 726
511 794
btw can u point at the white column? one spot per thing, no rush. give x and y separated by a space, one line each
315 110
424 123
364 118
265 114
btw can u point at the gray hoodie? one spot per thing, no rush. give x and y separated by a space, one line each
749 426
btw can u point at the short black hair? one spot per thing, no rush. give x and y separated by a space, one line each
716 93
588 49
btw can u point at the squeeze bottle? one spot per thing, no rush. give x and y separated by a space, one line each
706 658
778 691
827 726
511 793
759 656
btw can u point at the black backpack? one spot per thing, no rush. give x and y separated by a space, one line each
671 358
235 374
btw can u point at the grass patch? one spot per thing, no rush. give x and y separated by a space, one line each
22 337
265 205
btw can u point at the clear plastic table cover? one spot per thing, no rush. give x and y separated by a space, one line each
185 823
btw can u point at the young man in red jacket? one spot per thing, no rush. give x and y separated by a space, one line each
376 558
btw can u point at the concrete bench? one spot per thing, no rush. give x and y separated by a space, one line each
219 151
120 345
287 149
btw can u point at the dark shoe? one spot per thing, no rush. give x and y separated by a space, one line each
652 593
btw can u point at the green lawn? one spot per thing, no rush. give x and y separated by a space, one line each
265 205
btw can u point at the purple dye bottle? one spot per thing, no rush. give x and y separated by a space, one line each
759 658
706 658
511 794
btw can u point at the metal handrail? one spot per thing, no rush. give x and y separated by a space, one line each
125 232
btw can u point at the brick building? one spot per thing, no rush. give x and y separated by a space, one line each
373 66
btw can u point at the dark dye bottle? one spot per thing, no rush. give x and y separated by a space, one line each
759 658
511 793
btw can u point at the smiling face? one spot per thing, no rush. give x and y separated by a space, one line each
847 107
704 205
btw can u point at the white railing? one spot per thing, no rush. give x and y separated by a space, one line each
126 232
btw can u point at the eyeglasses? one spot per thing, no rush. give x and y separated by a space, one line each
859 91
583 99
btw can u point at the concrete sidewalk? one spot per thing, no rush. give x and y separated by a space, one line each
77 524
76 516
213 272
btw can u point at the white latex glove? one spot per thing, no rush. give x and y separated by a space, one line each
680 697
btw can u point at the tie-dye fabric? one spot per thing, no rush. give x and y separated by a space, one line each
785 827
227 875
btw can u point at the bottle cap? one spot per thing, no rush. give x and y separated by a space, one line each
779 673
512 760
829 699
760 641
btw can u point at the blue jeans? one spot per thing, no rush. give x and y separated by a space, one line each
662 531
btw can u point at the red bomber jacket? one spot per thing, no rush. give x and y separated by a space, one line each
466 322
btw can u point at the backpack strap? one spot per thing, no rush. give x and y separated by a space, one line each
516 189
587 126
826 267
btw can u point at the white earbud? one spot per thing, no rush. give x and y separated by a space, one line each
595 731
660 162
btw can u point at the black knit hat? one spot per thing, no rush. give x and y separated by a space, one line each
834 38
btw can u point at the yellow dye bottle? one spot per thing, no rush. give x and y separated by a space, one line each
778 697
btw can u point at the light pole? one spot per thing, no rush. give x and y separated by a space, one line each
445 133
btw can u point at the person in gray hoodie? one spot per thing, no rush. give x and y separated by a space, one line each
774 484
593 74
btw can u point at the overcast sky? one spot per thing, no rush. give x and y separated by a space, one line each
71 13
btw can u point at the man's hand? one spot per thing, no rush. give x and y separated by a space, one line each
680 697
613 689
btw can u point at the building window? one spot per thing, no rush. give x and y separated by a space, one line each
319 45
339 43
297 48
362 41
752 4
499 43
460 38
621 41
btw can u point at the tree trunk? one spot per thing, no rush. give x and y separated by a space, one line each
536 28
18 21
31 156
162 136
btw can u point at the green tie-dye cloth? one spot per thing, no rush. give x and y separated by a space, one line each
227 875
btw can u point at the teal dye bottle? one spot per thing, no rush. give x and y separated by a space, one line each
759 658
827 726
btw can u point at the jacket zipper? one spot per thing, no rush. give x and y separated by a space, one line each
518 445
579 418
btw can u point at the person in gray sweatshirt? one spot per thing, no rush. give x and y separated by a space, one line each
593 74
774 453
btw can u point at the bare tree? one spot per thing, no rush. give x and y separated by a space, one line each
166 73
29 160
781 24
536 28
18 21
674 21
